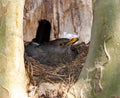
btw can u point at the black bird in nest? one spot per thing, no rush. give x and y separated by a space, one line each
49 52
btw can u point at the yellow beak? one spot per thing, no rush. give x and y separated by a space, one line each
72 41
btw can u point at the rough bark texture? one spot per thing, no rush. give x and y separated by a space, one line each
69 18
100 78
12 71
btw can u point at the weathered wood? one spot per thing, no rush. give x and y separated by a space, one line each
71 16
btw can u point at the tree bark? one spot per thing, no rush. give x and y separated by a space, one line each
12 71
100 77
69 18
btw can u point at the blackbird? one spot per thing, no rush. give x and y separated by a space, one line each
52 52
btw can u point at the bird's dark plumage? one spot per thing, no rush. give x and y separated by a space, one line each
59 42
50 52
43 32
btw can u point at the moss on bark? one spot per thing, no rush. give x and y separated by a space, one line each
100 77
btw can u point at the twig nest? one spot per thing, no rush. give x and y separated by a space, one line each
57 79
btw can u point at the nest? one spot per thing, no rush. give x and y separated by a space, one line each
64 73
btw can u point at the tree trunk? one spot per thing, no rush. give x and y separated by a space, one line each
12 72
68 18
100 77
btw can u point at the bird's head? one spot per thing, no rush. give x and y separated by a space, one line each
63 41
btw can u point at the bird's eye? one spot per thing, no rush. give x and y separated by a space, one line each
61 44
